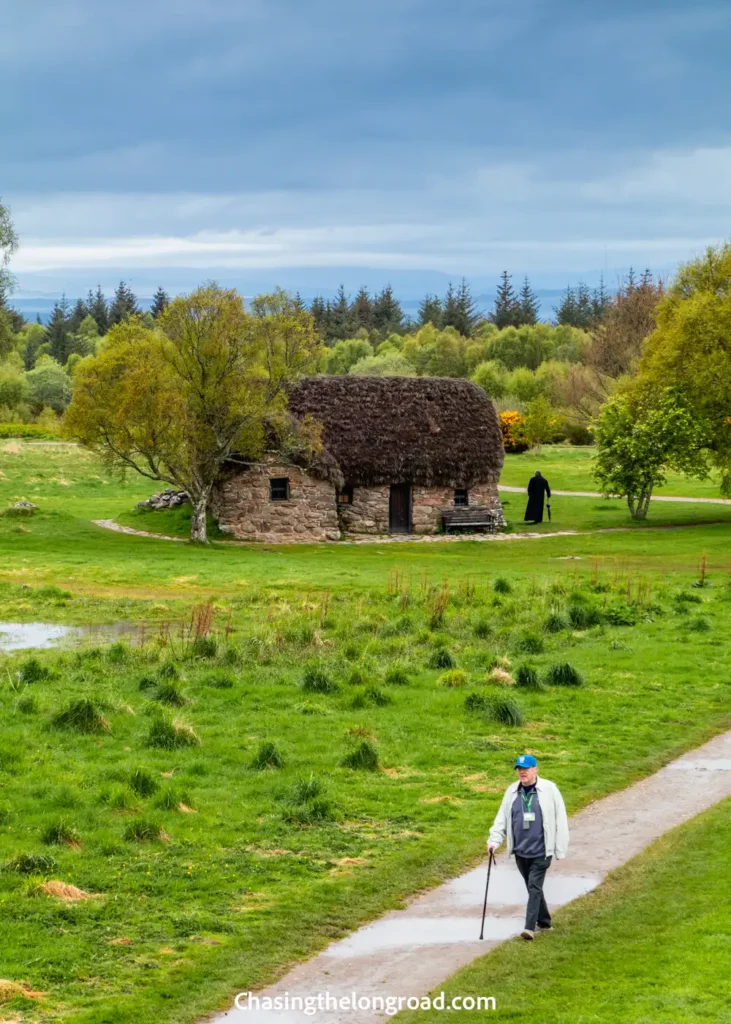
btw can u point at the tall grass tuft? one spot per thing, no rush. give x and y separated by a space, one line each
484 629
563 674
267 756
81 715
555 623
316 680
32 671
169 693
31 864
363 758
397 675
61 834
529 643
504 710
143 782
220 680
167 734
169 671
502 586
142 830
582 616
441 658
476 702
527 678
455 678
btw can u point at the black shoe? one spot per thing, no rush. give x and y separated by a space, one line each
544 927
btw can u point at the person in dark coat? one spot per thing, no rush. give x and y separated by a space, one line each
537 489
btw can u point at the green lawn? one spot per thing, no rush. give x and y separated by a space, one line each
650 945
570 469
256 874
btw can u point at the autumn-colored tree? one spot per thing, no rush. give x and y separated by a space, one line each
512 426
207 384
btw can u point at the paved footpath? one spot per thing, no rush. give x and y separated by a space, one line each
412 951
596 494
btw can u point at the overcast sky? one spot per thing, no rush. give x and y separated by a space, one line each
462 137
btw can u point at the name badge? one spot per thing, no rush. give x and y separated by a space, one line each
529 816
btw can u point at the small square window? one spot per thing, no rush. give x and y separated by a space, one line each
461 497
279 488
345 496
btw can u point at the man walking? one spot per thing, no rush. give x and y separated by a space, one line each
533 817
538 487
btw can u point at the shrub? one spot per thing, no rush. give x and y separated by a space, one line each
316 680
167 734
512 425
364 757
220 680
143 782
621 615
31 864
267 756
564 674
142 830
82 715
555 623
582 616
504 710
527 678
60 834
397 676
529 643
441 658
456 677
502 586
32 671
483 629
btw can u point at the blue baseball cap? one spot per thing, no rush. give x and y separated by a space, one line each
526 761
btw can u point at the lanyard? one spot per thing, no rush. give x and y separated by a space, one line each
527 803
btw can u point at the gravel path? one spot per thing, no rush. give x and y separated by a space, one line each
409 952
596 494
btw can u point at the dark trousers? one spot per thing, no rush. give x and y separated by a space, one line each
533 870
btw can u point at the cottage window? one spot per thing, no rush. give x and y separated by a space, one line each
461 497
279 488
345 496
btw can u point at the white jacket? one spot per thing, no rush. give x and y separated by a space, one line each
553 811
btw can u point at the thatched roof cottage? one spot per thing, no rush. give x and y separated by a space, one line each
397 453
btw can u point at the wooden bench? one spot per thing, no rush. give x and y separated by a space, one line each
471 517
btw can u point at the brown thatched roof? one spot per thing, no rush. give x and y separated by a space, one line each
429 431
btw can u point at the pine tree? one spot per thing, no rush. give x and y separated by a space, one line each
340 320
529 304
297 304
600 301
388 317
78 314
361 311
97 306
160 302
467 315
430 311
450 307
57 332
566 310
123 305
317 312
506 312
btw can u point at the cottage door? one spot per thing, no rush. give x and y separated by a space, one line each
399 509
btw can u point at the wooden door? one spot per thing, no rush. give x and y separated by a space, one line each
399 509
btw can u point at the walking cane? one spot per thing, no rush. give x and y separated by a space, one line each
548 506
490 862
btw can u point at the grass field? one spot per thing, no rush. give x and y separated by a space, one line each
570 469
646 947
209 873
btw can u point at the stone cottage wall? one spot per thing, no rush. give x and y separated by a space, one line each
244 509
369 511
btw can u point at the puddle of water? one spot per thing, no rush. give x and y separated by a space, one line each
26 636
395 933
508 888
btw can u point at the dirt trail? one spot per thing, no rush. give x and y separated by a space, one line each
596 494
409 952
